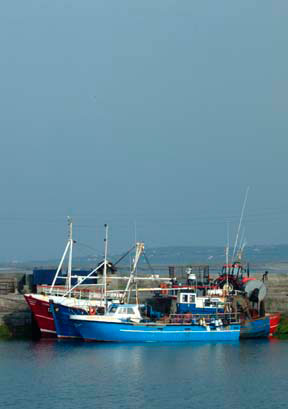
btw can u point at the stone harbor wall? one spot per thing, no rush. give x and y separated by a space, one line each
277 293
15 316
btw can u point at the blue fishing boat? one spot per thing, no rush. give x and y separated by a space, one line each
126 323
254 322
61 315
255 328
251 308
189 302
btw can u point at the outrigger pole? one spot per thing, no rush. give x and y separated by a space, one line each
89 275
241 245
227 256
139 250
240 222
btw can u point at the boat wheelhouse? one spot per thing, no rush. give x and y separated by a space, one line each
190 302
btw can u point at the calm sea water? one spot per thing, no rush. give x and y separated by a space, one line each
60 374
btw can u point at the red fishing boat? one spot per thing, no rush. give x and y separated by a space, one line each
39 305
274 322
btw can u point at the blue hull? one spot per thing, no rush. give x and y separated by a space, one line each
63 325
129 332
257 328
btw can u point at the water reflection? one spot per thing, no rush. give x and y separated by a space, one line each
77 374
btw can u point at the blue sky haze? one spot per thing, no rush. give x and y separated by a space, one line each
154 114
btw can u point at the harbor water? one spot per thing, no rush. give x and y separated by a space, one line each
69 375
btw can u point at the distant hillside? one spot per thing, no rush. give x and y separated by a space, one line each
216 255
180 255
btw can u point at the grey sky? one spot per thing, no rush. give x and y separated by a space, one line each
156 112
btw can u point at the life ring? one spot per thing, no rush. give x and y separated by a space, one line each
164 286
92 311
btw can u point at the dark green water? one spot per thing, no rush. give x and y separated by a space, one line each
66 375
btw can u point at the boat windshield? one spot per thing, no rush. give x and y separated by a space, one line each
126 310
112 309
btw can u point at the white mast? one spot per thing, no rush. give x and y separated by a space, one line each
105 264
69 273
138 252
240 222
242 245
227 255
68 246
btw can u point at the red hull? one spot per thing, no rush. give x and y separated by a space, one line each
274 322
42 314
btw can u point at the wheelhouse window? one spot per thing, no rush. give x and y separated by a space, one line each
188 298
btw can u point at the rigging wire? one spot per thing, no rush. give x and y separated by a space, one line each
148 262
89 247
124 255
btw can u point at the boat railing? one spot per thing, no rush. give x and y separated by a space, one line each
214 318
79 293
83 293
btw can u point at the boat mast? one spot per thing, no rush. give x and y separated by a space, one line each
69 273
105 264
241 246
227 256
69 244
138 252
240 222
